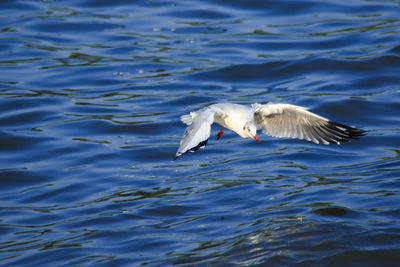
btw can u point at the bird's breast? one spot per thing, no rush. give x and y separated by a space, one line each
232 121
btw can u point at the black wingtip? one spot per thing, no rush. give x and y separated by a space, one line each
345 133
200 145
193 149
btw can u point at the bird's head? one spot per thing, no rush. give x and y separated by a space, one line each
250 131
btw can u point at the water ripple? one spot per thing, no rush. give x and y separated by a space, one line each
90 98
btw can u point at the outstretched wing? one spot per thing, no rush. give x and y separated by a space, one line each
285 120
198 130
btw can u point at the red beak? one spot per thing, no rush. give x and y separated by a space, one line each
256 138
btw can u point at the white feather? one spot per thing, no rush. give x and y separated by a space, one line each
278 120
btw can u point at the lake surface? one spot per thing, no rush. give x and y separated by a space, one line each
91 94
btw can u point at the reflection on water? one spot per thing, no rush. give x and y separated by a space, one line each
91 93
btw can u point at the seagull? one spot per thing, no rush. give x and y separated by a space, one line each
277 120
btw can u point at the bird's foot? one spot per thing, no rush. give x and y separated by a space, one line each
220 133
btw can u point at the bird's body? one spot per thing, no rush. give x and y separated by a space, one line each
233 117
278 120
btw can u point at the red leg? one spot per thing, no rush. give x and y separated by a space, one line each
220 133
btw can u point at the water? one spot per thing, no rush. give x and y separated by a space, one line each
90 98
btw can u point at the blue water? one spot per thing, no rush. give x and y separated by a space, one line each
91 93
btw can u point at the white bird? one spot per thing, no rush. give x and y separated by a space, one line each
277 120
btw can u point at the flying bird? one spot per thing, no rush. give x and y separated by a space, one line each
277 120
